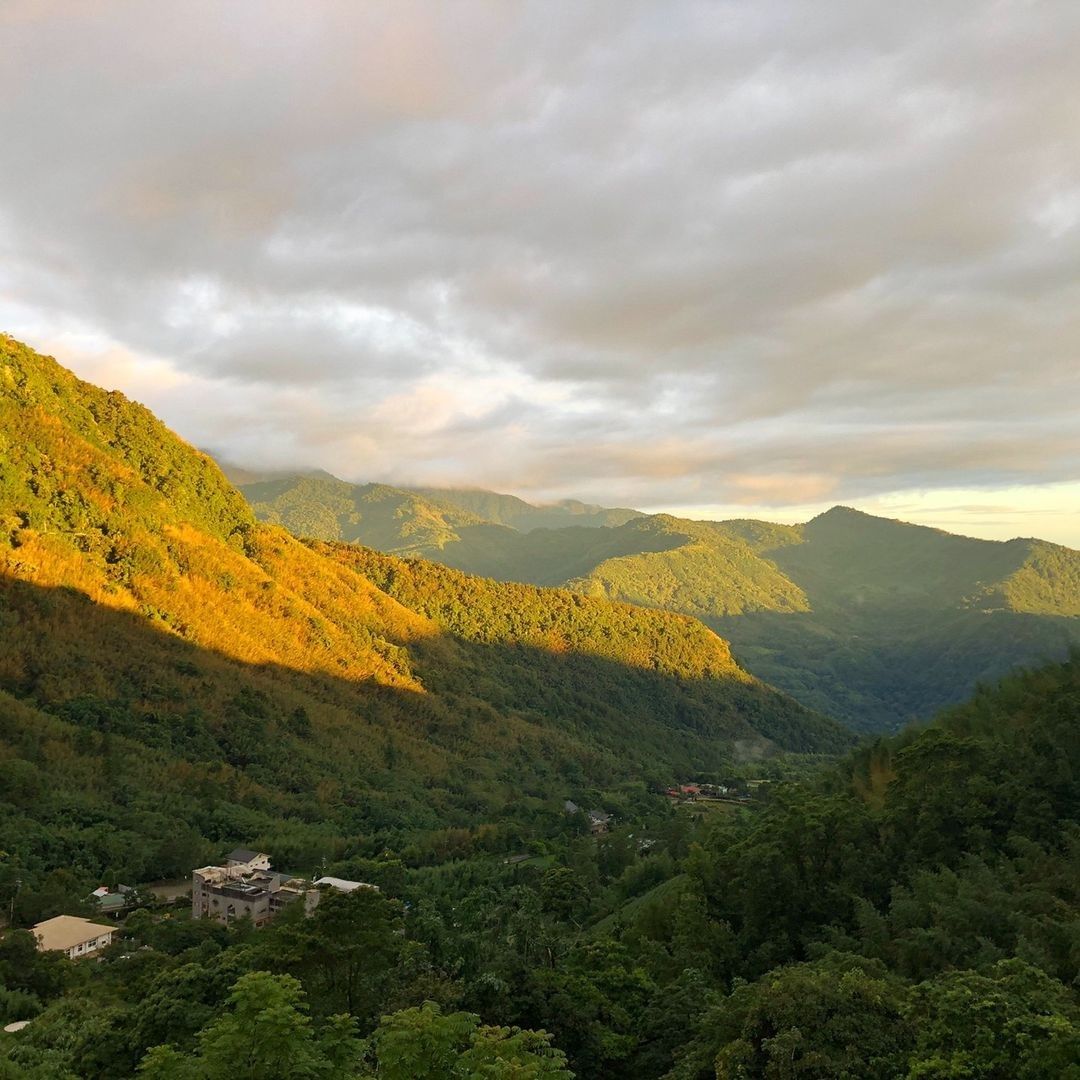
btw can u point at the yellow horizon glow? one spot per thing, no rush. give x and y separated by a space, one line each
1047 511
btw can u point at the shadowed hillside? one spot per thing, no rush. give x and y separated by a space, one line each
902 620
560 624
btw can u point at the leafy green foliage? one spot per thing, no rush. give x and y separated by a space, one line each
425 1042
346 955
836 1018
1012 1020
266 1033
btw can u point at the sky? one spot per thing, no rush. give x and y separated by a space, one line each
726 259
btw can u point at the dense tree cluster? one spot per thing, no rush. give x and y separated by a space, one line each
913 911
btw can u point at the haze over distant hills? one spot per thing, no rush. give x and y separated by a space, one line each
518 514
872 620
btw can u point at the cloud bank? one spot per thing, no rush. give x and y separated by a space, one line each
764 254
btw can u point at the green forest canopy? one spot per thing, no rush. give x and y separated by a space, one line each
912 911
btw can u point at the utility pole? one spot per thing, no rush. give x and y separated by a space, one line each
11 907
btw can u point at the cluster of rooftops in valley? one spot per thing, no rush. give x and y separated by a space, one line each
247 886
244 886
693 792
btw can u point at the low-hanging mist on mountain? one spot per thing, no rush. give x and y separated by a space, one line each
871 620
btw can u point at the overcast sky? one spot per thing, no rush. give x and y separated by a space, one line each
755 257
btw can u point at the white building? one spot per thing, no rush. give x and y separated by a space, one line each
345 886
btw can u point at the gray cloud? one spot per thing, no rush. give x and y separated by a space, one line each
755 253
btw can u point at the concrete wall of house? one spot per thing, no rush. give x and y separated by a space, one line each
87 948
210 903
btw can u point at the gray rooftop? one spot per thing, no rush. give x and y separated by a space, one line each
242 854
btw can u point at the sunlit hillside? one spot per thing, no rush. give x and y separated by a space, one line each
232 682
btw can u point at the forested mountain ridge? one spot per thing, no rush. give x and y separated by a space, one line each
848 558
524 516
232 683
869 619
445 525
70 451
316 503
902 620
379 516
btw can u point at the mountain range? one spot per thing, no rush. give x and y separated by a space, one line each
871 620
175 675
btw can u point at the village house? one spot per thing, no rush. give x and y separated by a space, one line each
684 792
73 936
246 886
597 820
247 860
112 903
693 792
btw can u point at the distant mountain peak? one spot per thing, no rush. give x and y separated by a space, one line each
848 515
840 520
840 510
